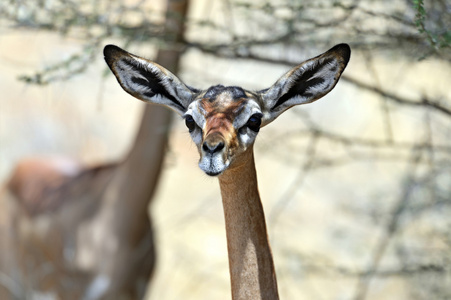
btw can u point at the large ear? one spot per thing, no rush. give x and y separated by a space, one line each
147 80
306 82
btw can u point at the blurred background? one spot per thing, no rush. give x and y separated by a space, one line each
356 187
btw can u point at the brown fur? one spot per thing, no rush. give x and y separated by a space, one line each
250 259
219 121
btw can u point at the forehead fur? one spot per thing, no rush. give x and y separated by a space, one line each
227 100
234 92
222 105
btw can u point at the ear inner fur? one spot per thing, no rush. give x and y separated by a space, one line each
152 83
305 83
148 81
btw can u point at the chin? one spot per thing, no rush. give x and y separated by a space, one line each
213 173
213 167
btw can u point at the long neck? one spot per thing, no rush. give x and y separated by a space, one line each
250 258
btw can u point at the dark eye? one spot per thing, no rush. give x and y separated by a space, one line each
254 122
189 121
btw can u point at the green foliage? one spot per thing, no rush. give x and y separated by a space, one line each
420 15
440 38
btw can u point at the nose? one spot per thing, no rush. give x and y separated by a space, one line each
212 147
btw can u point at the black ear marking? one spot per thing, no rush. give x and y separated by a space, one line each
343 51
148 81
111 53
305 83
152 84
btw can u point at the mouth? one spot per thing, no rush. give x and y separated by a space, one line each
212 173
213 165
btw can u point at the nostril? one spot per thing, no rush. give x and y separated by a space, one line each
212 148
205 147
219 147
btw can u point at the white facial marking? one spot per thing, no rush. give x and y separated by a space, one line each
197 112
251 107
193 111
213 164
217 162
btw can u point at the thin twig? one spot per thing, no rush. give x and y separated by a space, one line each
296 184
390 228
